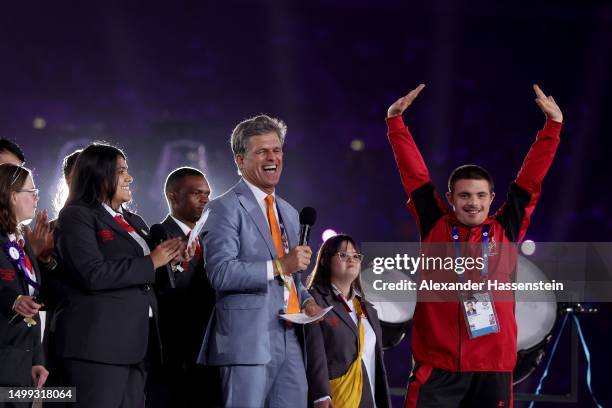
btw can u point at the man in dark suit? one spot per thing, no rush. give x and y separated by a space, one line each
185 303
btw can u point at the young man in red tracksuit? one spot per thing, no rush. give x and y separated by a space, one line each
452 369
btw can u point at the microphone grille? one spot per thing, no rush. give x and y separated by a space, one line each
308 216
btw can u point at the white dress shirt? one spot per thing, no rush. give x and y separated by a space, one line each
368 355
260 197
186 230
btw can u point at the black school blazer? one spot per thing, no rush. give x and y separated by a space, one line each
332 346
20 346
103 315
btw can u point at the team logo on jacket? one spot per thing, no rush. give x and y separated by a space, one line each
7 274
333 321
106 235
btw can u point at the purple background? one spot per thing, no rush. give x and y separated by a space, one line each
141 74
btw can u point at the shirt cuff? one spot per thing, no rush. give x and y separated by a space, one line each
270 270
553 125
327 397
395 123
305 301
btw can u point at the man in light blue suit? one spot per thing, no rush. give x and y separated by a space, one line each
253 259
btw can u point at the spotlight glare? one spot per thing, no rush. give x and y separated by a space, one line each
357 145
328 233
528 247
39 123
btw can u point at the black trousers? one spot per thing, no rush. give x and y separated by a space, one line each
431 387
101 385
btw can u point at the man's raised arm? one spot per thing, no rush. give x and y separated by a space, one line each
524 193
410 163
423 201
542 152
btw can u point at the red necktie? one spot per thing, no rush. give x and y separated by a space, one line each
26 261
197 255
126 227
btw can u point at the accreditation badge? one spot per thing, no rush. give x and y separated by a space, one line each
479 314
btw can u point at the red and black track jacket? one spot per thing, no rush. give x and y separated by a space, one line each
439 335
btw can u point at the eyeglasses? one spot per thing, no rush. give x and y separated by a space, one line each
29 190
16 173
345 256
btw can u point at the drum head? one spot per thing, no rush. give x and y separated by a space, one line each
394 315
535 320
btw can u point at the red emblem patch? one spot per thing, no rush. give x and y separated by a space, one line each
106 235
333 321
7 274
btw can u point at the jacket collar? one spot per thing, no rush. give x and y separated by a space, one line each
105 217
249 203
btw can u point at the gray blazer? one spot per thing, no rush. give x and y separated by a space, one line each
237 244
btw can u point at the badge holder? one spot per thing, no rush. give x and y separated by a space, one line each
479 314
478 308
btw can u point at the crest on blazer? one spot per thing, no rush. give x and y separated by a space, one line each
333 321
106 235
7 274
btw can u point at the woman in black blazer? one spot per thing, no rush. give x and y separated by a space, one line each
21 353
102 322
333 346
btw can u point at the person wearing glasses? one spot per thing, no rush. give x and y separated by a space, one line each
106 318
345 366
21 353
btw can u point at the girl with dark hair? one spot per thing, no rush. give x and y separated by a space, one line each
345 367
21 353
106 318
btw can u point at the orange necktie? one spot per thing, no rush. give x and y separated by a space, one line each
293 304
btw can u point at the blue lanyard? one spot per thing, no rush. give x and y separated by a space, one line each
283 230
485 250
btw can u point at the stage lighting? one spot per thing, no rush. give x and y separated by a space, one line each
528 247
328 233
39 123
357 145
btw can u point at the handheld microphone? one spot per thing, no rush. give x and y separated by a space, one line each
308 216
159 235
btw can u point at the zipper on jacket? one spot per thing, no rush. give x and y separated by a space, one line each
467 239
459 327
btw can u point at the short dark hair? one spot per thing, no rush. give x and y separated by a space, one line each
321 274
12 147
12 178
177 175
469 172
95 175
69 162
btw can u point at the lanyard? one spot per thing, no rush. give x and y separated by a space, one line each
288 282
283 230
485 250
360 311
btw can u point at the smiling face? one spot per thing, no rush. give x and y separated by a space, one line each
345 271
262 163
24 202
123 193
471 201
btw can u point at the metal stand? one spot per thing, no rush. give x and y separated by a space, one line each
572 397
